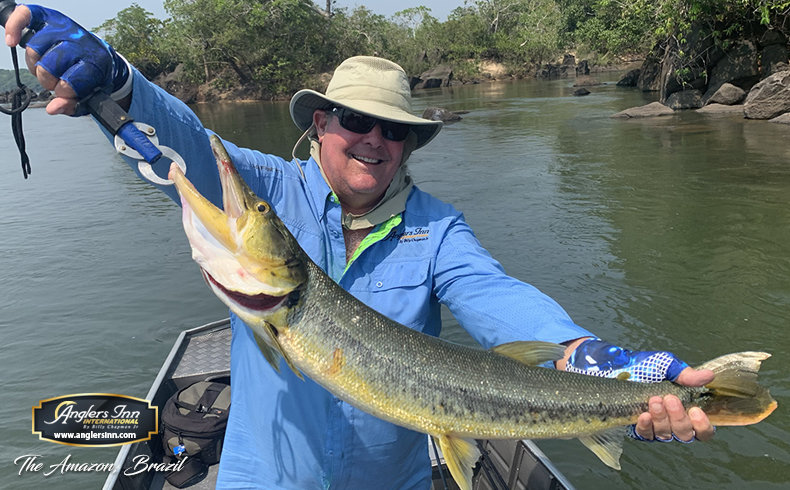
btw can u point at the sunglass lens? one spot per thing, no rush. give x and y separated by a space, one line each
362 124
357 123
394 131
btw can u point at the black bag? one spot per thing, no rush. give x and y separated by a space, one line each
193 426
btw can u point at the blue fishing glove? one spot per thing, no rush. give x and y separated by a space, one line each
598 358
73 54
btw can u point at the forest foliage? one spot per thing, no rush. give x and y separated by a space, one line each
279 45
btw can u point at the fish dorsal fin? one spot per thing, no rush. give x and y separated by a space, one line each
531 352
460 456
607 445
271 348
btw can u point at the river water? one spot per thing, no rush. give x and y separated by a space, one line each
669 233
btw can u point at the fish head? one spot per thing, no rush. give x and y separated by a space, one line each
247 255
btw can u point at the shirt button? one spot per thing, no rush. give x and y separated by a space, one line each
379 284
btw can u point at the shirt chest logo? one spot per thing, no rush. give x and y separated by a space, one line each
418 234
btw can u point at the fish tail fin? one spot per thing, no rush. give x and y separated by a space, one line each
734 397
460 456
737 397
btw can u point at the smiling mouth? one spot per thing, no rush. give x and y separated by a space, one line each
258 302
372 161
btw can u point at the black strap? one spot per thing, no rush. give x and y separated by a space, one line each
20 99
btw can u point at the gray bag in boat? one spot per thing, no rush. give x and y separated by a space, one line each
193 426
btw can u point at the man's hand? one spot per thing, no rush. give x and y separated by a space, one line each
66 58
666 418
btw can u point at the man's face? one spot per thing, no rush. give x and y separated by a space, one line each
359 167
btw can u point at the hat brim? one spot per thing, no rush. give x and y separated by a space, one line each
307 101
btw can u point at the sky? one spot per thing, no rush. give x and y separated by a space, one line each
92 13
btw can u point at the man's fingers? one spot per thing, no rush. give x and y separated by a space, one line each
679 420
662 429
63 89
644 426
694 377
31 58
703 429
667 417
17 21
46 79
60 105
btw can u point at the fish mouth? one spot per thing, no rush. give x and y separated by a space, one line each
250 302
243 249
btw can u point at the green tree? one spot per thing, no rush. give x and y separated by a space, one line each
269 43
364 33
138 36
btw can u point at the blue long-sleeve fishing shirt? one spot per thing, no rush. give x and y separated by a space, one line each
288 433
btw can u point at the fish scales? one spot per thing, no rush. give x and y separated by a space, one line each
429 385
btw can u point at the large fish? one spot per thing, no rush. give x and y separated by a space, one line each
454 393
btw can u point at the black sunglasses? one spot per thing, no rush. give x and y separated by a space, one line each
362 124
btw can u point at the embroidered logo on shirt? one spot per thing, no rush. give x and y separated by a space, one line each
418 234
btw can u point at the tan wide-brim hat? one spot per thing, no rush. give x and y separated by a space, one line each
368 85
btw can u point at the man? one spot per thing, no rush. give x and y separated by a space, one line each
350 205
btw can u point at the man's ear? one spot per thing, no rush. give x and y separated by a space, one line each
320 120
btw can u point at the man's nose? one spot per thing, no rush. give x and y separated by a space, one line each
375 136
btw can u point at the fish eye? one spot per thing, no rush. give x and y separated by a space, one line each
263 207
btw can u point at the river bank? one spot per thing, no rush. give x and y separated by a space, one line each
441 75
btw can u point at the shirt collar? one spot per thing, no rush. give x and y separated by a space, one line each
317 188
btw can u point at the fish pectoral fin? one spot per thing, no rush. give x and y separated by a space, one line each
272 350
271 355
531 352
460 456
607 445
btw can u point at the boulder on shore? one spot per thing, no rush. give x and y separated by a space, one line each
439 76
685 99
783 119
715 108
739 67
653 109
769 98
630 79
727 94
773 53
586 81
